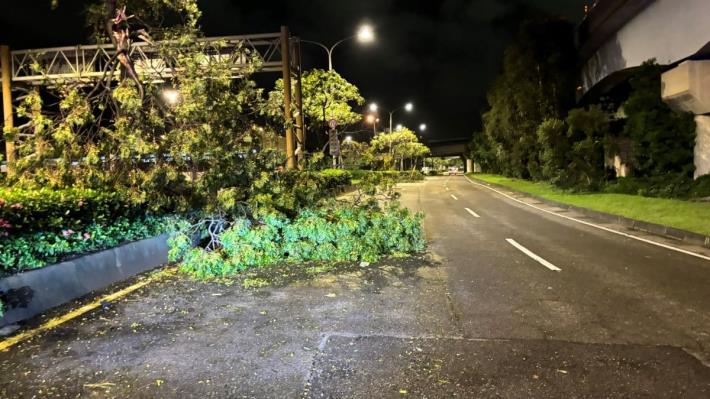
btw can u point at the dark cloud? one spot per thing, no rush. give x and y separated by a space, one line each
440 54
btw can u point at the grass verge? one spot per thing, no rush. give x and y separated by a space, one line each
685 215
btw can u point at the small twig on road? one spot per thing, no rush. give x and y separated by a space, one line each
102 385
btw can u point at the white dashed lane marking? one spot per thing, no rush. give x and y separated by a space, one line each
474 214
532 255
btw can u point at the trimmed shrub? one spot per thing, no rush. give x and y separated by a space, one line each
23 211
335 178
671 185
36 250
396 175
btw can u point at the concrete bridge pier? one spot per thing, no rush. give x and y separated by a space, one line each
686 88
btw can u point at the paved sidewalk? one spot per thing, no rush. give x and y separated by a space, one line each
179 338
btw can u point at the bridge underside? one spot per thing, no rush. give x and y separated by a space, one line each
452 149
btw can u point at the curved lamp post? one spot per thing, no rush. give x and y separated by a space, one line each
365 34
407 107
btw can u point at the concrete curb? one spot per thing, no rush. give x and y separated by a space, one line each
653 228
30 293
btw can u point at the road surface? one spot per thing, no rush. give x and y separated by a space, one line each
609 288
511 302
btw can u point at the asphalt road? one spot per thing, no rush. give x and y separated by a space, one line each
609 289
510 302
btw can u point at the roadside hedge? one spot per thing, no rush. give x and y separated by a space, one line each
396 175
35 250
23 211
664 186
335 178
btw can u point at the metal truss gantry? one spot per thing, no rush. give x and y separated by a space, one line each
88 62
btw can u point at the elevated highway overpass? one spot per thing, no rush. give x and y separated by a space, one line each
617 36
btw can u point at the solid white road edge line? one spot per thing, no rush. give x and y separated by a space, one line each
454 197
474 214
532 255
658 244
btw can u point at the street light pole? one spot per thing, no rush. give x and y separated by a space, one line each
365 35
407 107
328 50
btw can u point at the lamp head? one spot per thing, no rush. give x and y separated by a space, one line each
365 34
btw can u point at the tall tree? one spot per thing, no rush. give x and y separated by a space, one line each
399 145
326 96
536 83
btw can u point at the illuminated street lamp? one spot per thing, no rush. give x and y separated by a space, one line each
171 96
407 107
365 34
399 127
422 127
349 138
374 120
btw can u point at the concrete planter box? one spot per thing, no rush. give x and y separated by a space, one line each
33 292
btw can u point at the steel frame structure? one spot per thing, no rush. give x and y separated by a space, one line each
275 52
87 62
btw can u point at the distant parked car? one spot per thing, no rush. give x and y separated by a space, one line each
454 171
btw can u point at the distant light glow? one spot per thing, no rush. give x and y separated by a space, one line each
171 96
366 34
370 118
373 107
398 127
422 127
408 107
349 138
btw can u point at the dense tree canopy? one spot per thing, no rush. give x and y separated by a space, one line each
537 82
326 96
387 148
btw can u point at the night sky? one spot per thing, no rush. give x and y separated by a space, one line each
441 55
